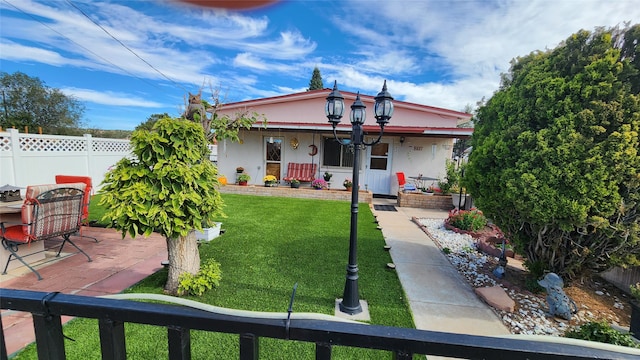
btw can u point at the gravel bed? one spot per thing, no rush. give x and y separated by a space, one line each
529 316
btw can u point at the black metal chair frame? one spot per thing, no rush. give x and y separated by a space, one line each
41 217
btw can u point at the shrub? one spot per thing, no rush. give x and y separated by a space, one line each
536 271
208 277
471 220
635 291
602 332
555 154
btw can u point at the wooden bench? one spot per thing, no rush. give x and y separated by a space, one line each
301 172
48 211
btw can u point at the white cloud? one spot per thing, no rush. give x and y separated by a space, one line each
110 98
470 42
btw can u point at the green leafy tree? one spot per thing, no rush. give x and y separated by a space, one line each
151 121
555 154
316 80
167 188
27 102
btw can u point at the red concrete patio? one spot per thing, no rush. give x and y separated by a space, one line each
117 264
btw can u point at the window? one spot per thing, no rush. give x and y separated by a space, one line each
335 154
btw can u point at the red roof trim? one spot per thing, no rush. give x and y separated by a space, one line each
408 130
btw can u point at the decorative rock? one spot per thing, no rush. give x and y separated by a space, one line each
496 296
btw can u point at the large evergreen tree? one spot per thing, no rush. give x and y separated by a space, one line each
27 102
316 80
556 159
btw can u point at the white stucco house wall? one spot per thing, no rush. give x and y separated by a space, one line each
417 140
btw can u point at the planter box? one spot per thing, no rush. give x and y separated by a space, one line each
417 200
209 234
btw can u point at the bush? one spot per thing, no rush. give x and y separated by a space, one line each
207 278
555 154
601 332
471 220
635 291
536 270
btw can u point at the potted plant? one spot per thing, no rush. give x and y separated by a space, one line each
634 327
243 179
348 184
427 190
319 184
327 176
270 181
458 196
295 183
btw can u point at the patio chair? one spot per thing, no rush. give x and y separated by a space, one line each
88 191
403 184
48 211
301 172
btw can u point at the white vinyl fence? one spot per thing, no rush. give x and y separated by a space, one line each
32 159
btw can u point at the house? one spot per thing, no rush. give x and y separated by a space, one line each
417 140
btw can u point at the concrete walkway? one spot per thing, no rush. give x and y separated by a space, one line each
439 297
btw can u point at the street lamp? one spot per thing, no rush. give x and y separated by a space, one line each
334 108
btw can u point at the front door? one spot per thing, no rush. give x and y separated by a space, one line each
378 169
273 156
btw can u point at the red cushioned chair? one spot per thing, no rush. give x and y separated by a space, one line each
88 191
48 211
402 183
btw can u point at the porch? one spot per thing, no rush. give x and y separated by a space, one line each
304 191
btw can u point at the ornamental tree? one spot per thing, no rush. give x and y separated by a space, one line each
167 188
555 159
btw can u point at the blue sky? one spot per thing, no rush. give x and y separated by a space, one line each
126 60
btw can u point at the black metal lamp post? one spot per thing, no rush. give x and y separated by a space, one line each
383 111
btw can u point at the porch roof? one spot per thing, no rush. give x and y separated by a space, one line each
396 130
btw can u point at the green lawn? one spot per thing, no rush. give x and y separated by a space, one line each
270 244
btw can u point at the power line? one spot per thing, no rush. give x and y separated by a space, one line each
125 46
81 46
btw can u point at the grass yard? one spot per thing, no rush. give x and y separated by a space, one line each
270 244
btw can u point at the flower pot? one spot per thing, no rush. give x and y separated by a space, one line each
349 188
295 186
208 234
634 327
456 200
270 184
242 183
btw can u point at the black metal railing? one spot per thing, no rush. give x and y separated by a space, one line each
47 309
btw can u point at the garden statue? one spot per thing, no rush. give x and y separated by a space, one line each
195 106
502 262
560 304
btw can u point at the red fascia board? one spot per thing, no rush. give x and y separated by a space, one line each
397 130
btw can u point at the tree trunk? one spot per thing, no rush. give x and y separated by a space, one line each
183 257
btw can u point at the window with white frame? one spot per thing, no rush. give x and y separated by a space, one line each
336 154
